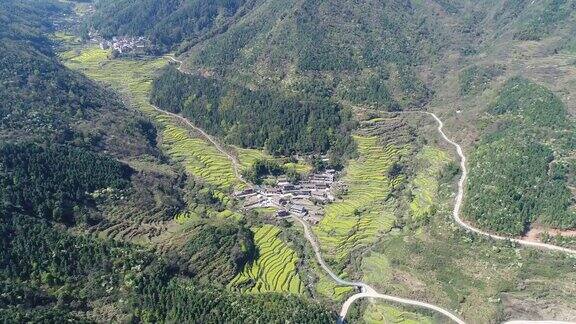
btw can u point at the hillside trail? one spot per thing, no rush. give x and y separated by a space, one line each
233 159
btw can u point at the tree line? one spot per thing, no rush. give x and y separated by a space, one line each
283 125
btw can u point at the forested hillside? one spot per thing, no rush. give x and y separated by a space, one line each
55 182
521 171
332 48
166 23
284 125
43 101
71 151
114 211
371 54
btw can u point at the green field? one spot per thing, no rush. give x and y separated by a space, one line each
327 287
197 156
133 78
275 268
247 157
361 214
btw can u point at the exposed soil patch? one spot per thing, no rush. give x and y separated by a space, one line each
535 233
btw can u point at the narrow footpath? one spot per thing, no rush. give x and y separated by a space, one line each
232 158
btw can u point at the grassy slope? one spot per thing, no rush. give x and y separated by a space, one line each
380 313
275 268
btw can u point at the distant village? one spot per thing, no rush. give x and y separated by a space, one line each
120 44
125 44
303 199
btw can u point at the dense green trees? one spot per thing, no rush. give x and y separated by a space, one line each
214 252
260 118
517 174
510 187
536 103
51 182
373 91
263 168
261 41
180 301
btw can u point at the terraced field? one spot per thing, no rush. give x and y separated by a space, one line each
275 268
197 157
424 187
327 287
134 79
362 213
247 157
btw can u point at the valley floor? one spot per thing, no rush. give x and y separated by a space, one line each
395 232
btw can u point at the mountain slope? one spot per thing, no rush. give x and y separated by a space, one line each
335 48
71 151
165 23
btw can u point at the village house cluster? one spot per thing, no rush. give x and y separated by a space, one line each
303 199
124 44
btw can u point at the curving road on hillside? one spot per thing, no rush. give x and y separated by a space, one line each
366 290
456 215
460 194
398 300
460 199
